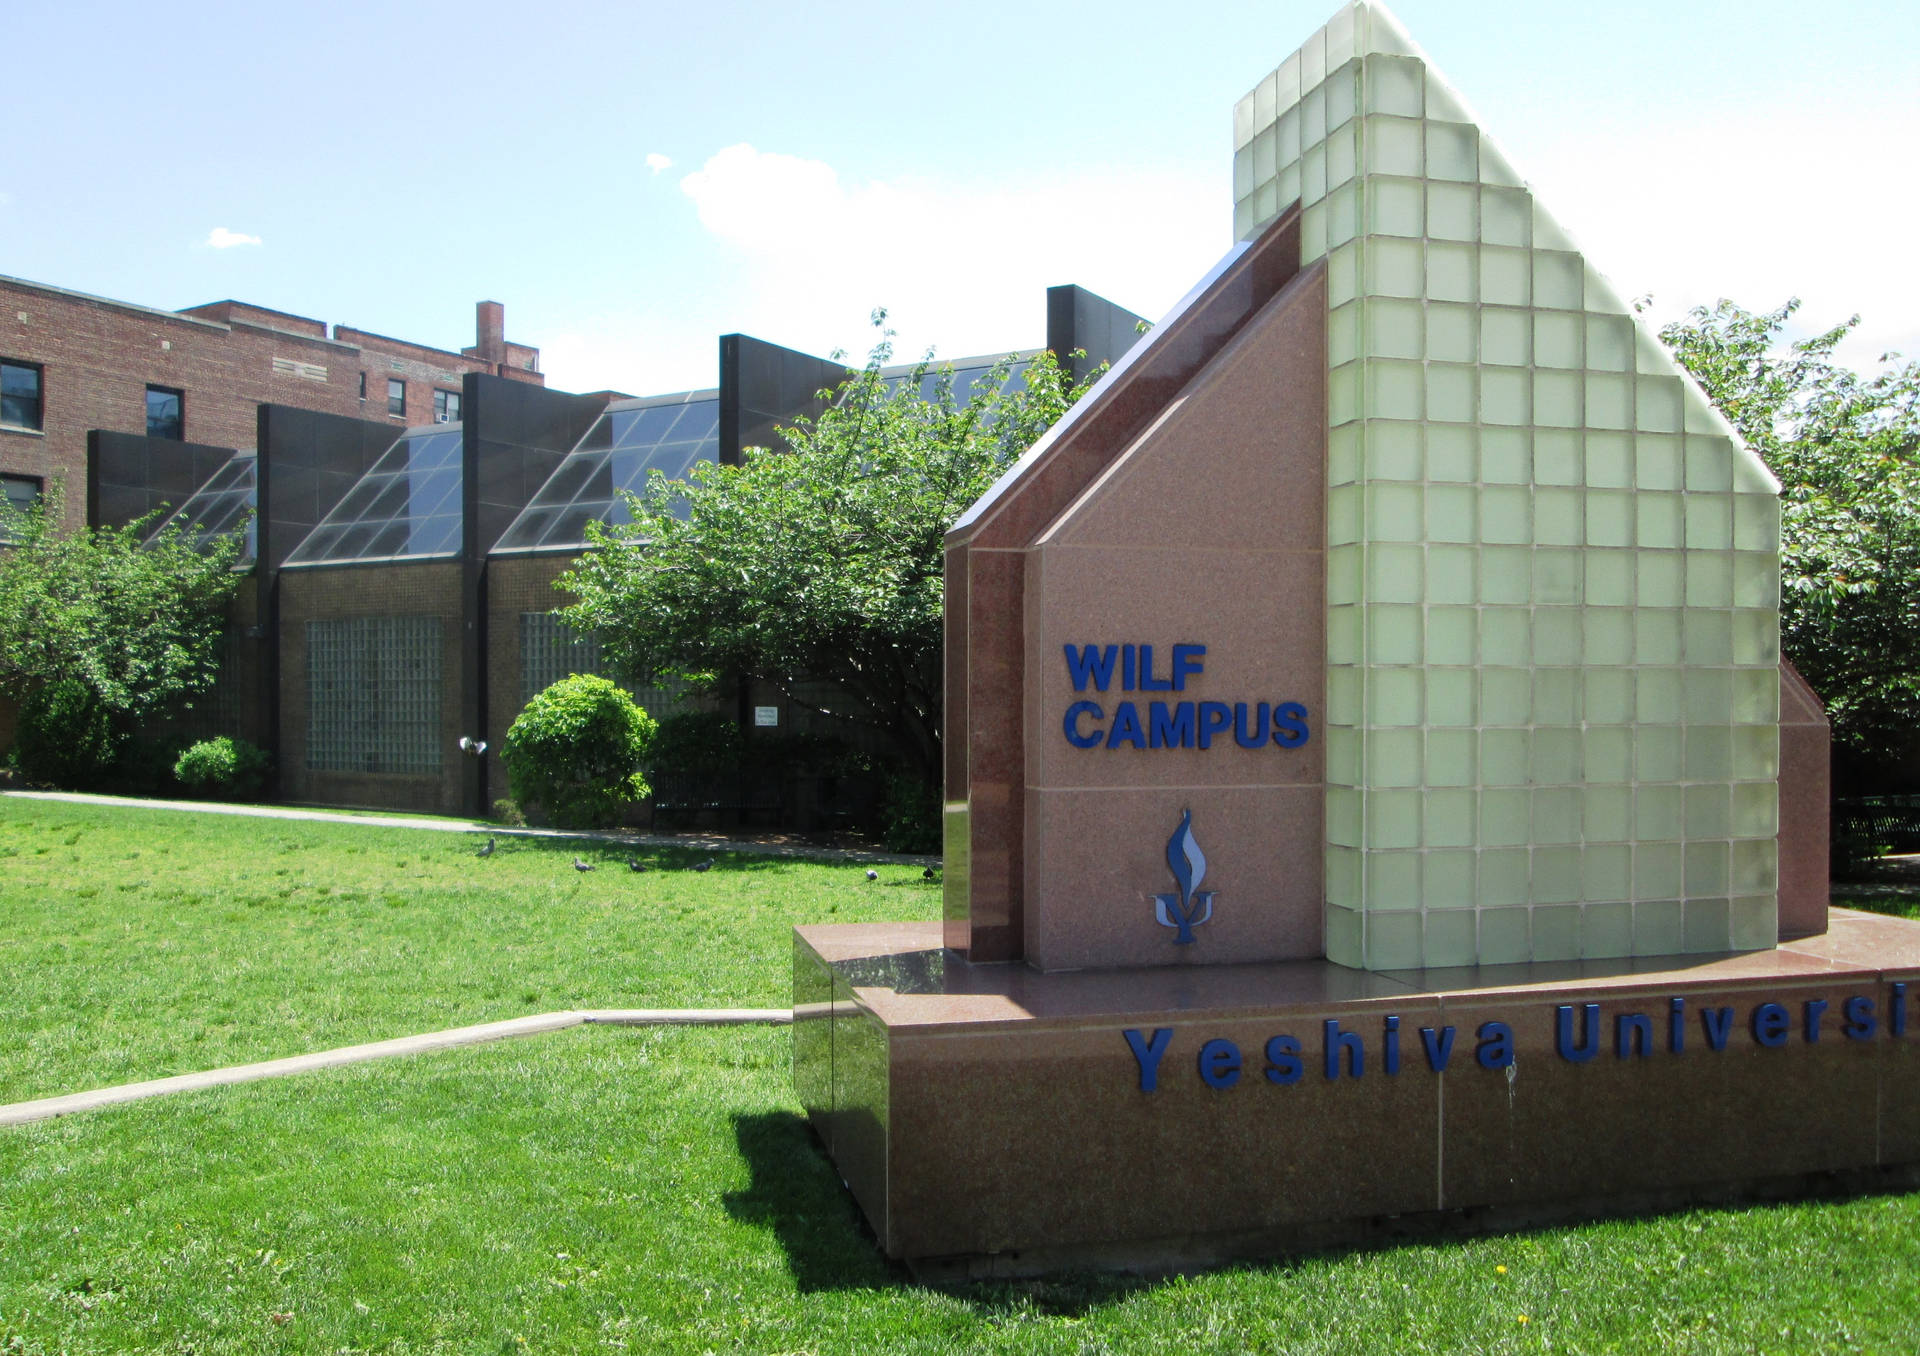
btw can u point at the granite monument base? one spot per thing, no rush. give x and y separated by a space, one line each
993 1119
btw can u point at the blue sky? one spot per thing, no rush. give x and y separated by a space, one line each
397 162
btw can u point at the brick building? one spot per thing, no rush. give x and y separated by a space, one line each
71 364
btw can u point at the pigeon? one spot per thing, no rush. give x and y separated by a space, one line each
579 865
486 851
634 866
872 874
707 865
927 874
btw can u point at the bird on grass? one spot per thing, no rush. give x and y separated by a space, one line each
927 874
707 865
634 866
486 851
872 874
579 865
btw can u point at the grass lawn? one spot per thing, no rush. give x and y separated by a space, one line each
639 1190
141 943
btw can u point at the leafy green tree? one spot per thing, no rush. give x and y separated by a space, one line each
137 623
823 562
1843 446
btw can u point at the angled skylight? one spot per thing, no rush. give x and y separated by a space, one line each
967 373
406 506
630 440
219 507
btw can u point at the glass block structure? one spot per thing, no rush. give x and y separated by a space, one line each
1552 570
406 506
373 695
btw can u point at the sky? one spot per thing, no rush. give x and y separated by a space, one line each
634 180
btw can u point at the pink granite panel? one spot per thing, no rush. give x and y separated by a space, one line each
994 772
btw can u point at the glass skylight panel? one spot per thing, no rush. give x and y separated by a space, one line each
625 445
217 508
967 374
407 505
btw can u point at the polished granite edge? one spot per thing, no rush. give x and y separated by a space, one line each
903 974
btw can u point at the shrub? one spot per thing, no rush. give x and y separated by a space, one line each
66 737
506 811
578 750
912 816
697 744
223 768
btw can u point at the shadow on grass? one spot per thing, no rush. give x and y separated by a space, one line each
795 1193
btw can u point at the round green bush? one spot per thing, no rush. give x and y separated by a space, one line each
577 752
223 768
66 737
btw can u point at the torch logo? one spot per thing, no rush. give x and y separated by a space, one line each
1192 906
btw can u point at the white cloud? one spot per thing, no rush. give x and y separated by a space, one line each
220 238
657 162
961 266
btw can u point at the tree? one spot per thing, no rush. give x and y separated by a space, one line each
1843 447
138 623
578 751
823 562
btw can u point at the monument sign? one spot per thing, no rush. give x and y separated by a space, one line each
1369 757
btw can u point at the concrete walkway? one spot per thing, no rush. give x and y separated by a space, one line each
705 842
46 1108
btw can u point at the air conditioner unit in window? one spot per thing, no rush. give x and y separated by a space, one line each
443 418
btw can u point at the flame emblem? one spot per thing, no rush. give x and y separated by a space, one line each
1192 906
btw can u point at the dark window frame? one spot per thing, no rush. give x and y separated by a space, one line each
397 397
39 423
179 433
8 479
446 406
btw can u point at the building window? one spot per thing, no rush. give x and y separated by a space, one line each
166 416
396 396
22 493
20 404
446 407
363 385
373 695
550 650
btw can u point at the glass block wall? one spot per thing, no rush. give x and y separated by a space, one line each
373 695
1553 571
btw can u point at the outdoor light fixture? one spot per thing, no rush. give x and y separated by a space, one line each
476 747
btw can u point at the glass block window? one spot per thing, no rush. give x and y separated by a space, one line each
373 695
630 441
407 505
550 650
218 507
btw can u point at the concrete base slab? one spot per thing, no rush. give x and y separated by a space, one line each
991 1119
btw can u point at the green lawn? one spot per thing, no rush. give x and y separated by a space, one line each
141 943
616 1189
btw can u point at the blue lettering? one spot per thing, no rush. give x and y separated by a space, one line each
1770 1025
1148 1054
1126 668
1897 1011
1717 1023
1126 727
1148 683
1186 664
1676 1025
1335 1041
1169 729
1495 1050
1249 737
1220 1063
1090 665
1214 719
1283 1060
1632 1034
1861 1023
1816 1009
1439 1047
1589 1045
1072 724
1290 725
1390 1051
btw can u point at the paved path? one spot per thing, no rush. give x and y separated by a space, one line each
708 842
46 1108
